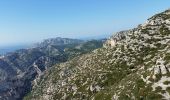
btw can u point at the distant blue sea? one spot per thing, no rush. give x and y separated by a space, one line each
7 49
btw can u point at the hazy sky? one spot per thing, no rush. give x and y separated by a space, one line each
25 21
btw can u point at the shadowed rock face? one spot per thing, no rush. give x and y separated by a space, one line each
20 70
135 68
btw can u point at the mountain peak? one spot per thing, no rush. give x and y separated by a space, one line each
58 41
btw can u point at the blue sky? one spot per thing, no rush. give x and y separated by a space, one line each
27 21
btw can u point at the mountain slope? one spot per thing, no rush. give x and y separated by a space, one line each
20 70
132 65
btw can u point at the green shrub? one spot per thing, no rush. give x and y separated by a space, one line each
166 82
164 30
158 89
158 77
167 57
168 89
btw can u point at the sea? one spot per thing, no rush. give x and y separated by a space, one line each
7 49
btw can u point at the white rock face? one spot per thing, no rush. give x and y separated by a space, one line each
112 42
160 67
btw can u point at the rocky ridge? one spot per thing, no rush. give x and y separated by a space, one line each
132 65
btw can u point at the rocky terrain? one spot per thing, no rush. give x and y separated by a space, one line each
132 65
20 70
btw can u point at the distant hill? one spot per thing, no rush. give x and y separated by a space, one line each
20 70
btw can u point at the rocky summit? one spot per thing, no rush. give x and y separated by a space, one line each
132 65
